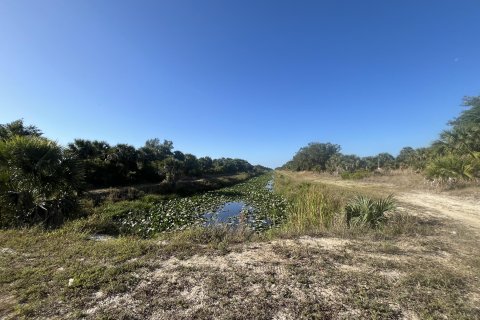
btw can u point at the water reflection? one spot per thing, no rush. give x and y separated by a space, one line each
229 212
269 185
236 213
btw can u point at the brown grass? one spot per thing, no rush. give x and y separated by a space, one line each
414 267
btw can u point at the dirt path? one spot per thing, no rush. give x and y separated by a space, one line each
463 210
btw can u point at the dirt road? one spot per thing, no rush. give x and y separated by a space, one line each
459 209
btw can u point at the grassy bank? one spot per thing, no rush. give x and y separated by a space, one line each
311 266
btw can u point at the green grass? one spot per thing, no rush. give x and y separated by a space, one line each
41 263
312 209
406 265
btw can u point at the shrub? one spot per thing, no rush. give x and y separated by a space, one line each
454 167
363 210
37 183
122 194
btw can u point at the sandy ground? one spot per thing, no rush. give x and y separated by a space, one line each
463 210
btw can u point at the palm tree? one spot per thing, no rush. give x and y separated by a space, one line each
17 128
38 183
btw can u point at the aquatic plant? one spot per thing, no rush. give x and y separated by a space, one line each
263 209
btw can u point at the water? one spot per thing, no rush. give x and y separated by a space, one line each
237 212
228 213
269 185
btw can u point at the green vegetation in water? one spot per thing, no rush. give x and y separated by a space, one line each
152 214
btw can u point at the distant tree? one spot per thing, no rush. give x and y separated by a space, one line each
88 149
261 169
17 128
150 157
464 136
94 157
206 164
154 150
369 163
457 152
469 116
242 165
179 155
406 158
463 139
122 160
314 156
385 161
191 166
339 163
172 168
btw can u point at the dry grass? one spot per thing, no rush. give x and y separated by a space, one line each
413 267
191 276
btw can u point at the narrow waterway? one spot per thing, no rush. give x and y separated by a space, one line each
235 213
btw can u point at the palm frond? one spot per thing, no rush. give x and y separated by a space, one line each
363 210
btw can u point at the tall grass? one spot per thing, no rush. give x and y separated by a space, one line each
313 209
317 208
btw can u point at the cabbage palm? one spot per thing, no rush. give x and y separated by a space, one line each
462 140
364 210
455 166
37 182
17 128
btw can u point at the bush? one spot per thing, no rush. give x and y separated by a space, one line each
454 167
315 209
123 194
363 210
37 183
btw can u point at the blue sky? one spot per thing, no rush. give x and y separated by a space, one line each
249 79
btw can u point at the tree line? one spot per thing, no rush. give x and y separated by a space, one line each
40 180
156 161
326 157
455 155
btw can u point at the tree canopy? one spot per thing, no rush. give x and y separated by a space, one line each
455 155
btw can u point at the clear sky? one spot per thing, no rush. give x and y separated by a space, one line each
238 78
